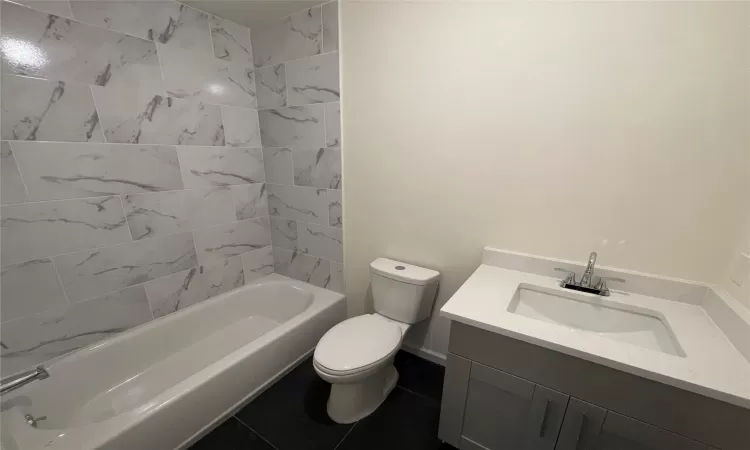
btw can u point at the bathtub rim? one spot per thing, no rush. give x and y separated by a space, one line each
72 356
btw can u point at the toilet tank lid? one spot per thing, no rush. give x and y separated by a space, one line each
403 272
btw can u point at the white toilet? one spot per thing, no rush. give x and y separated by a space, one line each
356 356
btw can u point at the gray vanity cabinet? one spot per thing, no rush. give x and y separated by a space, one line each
497 411
488 409
504 394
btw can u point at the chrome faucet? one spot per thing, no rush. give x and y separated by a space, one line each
14 382
587 283
586 278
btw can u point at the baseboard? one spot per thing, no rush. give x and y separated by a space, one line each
429 355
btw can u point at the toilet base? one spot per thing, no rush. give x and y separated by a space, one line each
351 402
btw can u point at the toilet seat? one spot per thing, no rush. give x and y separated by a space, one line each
357 344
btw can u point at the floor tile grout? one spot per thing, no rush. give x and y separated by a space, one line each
345 436
423 397
256 433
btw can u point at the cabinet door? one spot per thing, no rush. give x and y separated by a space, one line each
581 426
504 412
497 410
623 433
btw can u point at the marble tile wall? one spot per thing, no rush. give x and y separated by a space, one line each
133 178
297 79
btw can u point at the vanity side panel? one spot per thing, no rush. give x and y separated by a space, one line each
717 423
456 385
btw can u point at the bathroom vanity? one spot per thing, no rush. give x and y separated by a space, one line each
661 365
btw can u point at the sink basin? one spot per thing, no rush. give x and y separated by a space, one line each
636 326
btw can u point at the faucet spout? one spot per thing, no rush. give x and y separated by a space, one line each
14 382
587 275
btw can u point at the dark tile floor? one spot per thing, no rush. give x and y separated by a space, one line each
291 415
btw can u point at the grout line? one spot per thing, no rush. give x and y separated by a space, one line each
286 85
125 215
211 36
20 174
161 72
296 59
99 114
75 19
59 280
254 432
224 128
422 396
62 200
170 191
346 435
322 30
118 244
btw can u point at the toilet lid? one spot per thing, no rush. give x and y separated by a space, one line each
357 342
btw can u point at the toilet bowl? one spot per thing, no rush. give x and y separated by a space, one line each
356 356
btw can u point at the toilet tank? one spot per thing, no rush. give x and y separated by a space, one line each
402 291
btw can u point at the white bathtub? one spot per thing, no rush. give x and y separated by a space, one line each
164 384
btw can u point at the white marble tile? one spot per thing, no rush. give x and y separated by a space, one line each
257 263
180 290
293 37
298 203
241 127
270 82
58 170
231 41
295 126
313 80
41 110
161 213
278 165
220 166
333 124
336 218
321 241
317 168
29 288
330 27
201 77
214 244
284 233
37 230
336 282
12 189
57 7
134 117
302 267
250 200
166 22
96 272
38 44
33 340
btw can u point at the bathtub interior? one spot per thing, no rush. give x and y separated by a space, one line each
127 372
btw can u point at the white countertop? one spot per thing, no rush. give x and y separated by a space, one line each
712 366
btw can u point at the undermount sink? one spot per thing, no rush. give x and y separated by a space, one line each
635 326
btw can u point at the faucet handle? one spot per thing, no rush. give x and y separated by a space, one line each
602 285
570 279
